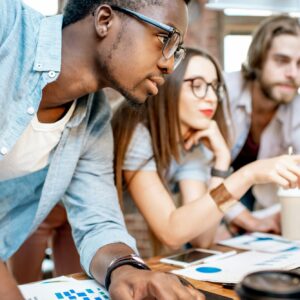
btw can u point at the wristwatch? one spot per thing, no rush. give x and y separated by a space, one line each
131 259
219 173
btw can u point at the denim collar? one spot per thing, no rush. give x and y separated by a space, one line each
48 54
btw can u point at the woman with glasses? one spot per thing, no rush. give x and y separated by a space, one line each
180 140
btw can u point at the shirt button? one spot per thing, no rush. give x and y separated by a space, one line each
39 66
3 150
51 74
30 110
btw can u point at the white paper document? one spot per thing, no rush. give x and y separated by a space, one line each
234 268
263 242
64 288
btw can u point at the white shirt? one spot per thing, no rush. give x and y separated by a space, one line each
32 151
283 131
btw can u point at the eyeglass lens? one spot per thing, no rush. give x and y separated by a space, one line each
200 87
172 48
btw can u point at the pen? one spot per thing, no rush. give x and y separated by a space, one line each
290 150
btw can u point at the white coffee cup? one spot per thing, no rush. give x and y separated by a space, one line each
290 213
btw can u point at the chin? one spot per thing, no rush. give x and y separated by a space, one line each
135 102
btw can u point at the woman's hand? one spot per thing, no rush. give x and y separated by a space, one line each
212 138
249 223
282 170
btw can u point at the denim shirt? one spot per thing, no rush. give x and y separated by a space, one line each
80 172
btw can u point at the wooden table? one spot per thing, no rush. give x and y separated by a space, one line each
156 265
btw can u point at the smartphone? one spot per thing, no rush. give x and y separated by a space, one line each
192 256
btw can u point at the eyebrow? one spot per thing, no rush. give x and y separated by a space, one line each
281 55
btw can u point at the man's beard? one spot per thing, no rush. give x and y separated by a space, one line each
268 92
107 73
115 84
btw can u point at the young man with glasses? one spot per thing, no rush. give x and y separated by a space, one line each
265 108
55 137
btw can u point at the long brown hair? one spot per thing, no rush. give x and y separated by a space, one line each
161 116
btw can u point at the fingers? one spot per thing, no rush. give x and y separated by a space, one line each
296 158
120 292
194 139
292 179
278 179
168 286
286 172
148 285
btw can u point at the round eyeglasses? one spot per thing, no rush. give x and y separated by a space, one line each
200 87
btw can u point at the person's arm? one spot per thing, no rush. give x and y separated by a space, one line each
248 222
191 190
128 282
156 204
160 212
99 230
8 286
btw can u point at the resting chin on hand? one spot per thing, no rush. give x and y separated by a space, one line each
8 286
129 282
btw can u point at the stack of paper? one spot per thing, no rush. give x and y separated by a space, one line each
263 242
234 268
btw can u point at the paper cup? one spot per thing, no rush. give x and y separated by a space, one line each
290 213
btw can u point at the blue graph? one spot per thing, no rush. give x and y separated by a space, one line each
87 294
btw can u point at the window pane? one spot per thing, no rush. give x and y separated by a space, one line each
235 51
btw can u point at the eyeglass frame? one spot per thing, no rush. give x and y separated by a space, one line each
208 84
169 29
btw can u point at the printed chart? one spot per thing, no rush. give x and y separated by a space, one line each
63 288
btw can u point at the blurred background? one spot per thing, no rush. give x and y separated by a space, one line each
223 27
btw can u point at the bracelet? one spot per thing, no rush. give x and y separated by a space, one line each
223 199
219 173
131 259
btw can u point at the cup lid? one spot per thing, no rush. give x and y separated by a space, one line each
288 192
270 285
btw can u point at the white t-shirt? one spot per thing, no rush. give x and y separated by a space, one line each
32 151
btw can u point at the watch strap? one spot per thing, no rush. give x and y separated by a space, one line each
220 173
131 259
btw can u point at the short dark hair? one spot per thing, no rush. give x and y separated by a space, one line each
76 10
262 41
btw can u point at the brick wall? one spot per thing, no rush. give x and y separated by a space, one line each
205 28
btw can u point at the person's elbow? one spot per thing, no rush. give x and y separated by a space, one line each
170 240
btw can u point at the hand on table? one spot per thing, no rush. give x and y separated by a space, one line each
249 223
128 283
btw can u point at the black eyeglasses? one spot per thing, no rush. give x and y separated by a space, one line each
171 43
200 87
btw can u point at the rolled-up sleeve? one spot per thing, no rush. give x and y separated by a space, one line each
92 203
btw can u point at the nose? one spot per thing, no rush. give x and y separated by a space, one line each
211 95
166 65
292 70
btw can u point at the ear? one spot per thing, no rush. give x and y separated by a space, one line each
104 16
